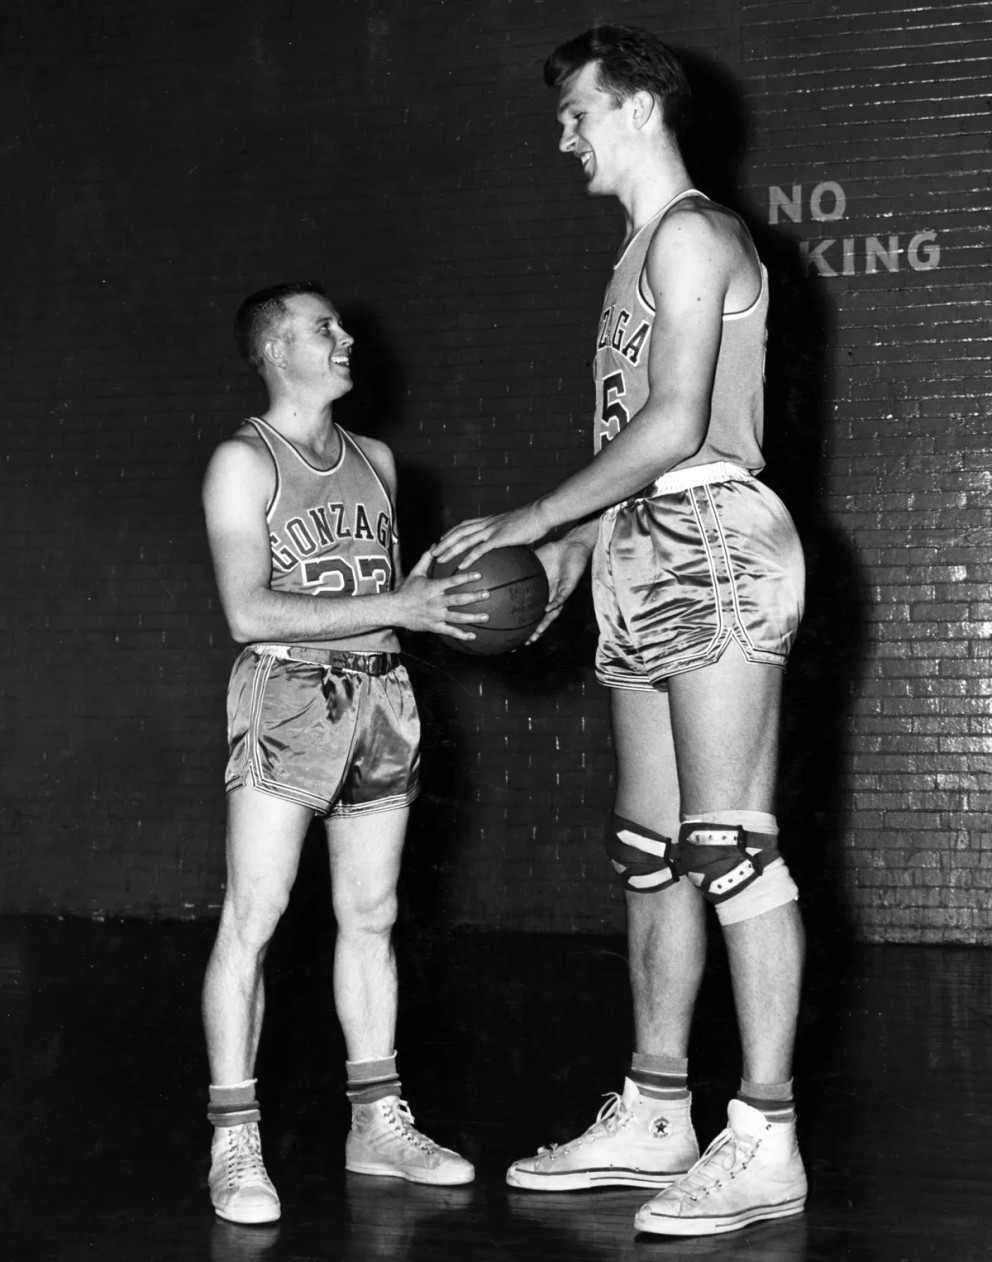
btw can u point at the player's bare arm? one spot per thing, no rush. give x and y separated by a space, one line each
238 485
693 260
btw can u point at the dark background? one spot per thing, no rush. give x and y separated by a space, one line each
160 162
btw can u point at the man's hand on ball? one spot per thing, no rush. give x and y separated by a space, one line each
481 534
433 604
564 562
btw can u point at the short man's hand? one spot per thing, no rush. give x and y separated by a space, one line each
434 604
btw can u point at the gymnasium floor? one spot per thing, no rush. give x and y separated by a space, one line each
506 1042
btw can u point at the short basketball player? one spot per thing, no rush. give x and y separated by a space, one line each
321 721
698 581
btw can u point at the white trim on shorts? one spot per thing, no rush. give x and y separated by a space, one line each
253 767
694 475
677 480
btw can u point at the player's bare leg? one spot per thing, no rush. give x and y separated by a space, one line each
264 839
766 963
725 722
644 1137
365 853
666 932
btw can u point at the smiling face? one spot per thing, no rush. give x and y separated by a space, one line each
595 129
313 348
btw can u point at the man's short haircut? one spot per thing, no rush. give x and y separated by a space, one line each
629 59
261 311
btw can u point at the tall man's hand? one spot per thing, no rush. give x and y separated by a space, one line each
481 534
564 562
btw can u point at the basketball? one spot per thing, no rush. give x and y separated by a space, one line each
518 595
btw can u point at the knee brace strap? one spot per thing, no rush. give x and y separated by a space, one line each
722 859
641 858
775 888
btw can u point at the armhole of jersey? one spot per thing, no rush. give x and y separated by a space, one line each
260 429
353 442
643 292
646 297
762 288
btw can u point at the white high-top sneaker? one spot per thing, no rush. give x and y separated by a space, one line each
751 1171
383 1140
240 1189
635 1141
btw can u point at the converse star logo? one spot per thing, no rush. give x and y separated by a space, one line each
659 1127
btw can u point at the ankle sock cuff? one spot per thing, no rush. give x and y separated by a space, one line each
659 1077
372 1080
233 1105
774 1099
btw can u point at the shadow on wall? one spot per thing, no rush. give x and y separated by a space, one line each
829 653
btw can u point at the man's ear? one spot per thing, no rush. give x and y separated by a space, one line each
643 107
274 351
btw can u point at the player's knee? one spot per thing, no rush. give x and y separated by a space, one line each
641 858
738 869
371 914
249 920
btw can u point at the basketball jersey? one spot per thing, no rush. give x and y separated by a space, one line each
331 530
620 367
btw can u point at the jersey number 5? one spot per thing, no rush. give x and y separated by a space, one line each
613 415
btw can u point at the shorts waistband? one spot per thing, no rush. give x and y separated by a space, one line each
696 475
356 660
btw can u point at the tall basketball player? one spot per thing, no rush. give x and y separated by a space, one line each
321 721
698 581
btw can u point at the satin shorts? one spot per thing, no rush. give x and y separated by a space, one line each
708 557
341 742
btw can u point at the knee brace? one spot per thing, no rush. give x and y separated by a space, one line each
725 860
642 859
721 859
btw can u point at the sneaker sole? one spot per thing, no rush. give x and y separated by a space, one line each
390 1172
588 1180
251 1218
661 1225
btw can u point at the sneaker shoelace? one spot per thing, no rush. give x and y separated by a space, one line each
244 1158
400 1120
611 1117
710 1172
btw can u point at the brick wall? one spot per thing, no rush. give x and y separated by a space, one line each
872 124
163 163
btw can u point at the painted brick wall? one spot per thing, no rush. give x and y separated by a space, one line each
163 163
875 117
